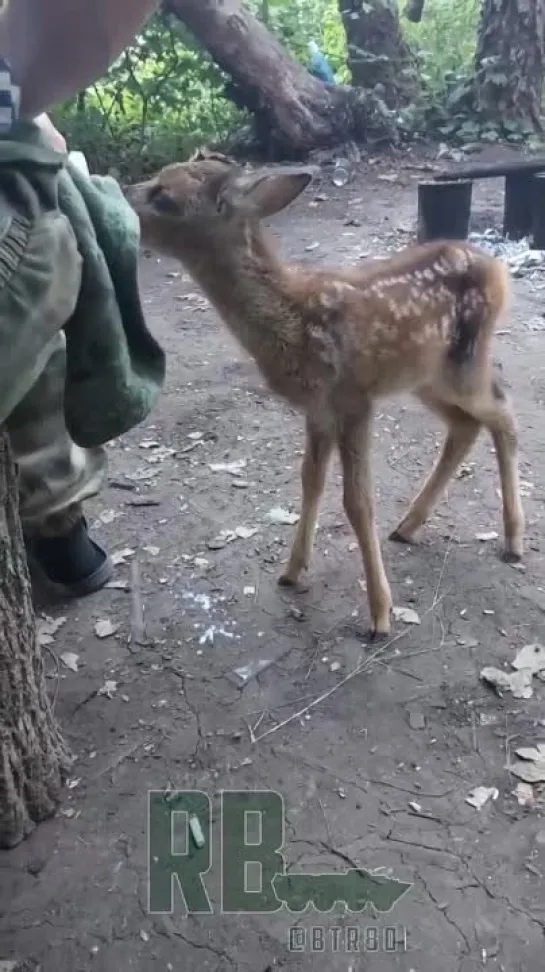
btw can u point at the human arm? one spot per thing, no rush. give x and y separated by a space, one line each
54 137
57 47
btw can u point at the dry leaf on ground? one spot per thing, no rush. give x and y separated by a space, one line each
405 614
480 795
70 660
531 765
282 517
104 629
519 683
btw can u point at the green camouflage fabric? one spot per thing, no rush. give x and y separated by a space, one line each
78 365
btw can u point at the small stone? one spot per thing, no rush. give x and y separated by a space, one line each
217 543
417 720
105 629
153 551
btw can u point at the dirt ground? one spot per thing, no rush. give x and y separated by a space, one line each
374 775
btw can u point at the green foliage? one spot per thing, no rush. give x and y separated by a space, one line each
444 45
158 102
296 22
165 96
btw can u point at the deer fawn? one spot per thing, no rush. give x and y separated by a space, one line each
331 341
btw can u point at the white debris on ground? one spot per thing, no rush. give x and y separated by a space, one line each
529 662
518 254
46 628
216 624
406 614
531 764
481 795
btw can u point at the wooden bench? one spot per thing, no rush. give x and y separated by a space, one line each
444 202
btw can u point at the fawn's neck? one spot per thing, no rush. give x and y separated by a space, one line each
247 284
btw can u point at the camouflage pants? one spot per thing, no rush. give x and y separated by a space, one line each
39 283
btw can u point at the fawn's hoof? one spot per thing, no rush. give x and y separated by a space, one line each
398 537
286 581
511 557
382 628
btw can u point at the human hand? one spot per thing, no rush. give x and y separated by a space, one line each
54 137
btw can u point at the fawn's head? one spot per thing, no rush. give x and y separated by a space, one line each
210 198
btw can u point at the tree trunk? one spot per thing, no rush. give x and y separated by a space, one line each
414 10
377 52
294 111
33 756
509 61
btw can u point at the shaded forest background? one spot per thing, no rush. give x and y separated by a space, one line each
466 71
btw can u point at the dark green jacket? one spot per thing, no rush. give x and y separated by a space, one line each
115 367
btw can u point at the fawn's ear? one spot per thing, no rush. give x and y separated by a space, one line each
264 193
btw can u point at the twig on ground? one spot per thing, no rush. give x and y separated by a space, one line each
137 633
359 784
57 682
358 670
474 731
362 667
279 705
252 729
436 597
317 646
402 671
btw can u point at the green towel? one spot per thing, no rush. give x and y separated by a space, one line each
115 367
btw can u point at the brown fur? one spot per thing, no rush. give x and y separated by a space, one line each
330 341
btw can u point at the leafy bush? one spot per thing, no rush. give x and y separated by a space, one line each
158 102
444 48
296 22
444 44
165 96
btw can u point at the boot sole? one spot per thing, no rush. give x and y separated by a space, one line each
80 588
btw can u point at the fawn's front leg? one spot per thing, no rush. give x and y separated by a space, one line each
354 446
318 449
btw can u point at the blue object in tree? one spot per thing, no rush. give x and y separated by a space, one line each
319 65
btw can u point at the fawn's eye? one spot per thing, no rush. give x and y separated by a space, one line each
162 202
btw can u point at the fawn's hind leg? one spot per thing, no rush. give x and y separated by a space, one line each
463 430
354 447
318 449
496 413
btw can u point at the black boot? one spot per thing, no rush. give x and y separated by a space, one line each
71 565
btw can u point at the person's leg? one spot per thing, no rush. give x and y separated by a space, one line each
55 477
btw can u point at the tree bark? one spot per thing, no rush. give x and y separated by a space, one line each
33 756
294 111
495 169
414 10
509 61
377 52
